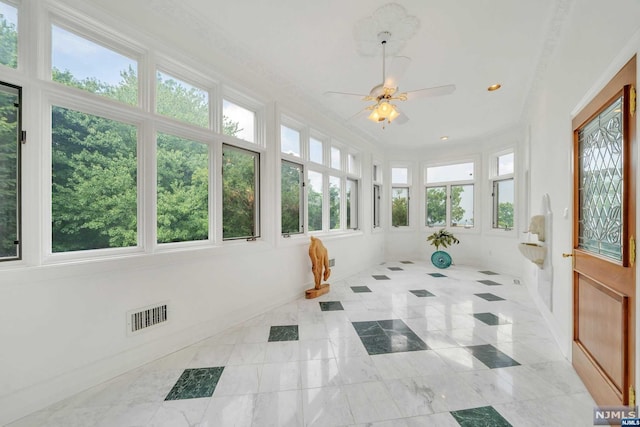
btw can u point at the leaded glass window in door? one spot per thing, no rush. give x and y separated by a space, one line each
601 159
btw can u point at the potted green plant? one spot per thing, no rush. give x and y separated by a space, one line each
444 238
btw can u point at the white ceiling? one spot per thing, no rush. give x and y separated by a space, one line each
469 43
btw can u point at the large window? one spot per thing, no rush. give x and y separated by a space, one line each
181 101
94 182
377 198
449 195
400 206
335 189
352 203
86 65
377 194
292 197
436 206
330 191
503 191
240 192
314 200
400 196
8 35
10 110
182 190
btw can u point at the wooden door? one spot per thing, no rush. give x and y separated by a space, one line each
604 154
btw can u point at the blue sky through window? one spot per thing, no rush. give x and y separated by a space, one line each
9 13
84 58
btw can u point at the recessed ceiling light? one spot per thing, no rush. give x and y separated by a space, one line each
494 87
444 138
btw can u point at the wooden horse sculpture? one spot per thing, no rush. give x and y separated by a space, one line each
319 262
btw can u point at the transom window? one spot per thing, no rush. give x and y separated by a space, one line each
290 141
238 121
181 101
86 65
335 158
8 35
316 151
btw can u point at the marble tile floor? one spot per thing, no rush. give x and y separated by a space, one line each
387 356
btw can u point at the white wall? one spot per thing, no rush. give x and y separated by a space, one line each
63 328
595 42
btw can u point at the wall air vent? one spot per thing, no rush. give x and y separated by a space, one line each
147 317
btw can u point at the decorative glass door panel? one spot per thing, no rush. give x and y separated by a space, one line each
601 154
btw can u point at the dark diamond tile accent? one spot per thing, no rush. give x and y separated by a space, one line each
489 273
436 275
406 341
406 262
490 297
283 333
396 269
422 293
491 356
195 383
360 289
490 283
485 416
377 344
331 306
489 319
388 336
365 329
393 325
380 277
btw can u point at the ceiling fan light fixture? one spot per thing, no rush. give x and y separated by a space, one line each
375 116
393 114
383 111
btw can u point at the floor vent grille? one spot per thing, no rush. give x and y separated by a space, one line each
146 317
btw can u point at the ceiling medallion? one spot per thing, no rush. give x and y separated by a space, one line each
391 18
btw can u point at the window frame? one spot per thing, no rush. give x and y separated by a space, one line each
19 236
301 199
352 204
103 110
494 180
257 226
377 193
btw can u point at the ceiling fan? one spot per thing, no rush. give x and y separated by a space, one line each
386 92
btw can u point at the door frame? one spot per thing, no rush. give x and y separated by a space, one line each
602 388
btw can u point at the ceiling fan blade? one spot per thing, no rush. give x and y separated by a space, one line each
345 94
397 68
362 113
401 119
430 91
